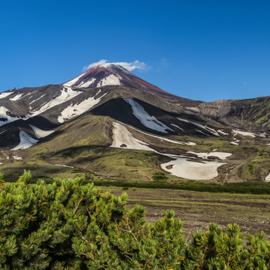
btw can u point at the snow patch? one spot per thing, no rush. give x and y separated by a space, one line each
5 94
188 169
194 109
267 178
122 138
235 142
221 155
26 141
146 119
17 158
40 133
244 133
109 80
263 135
4 114
86 83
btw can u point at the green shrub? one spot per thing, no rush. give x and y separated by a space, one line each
25 177
159 176
2 177
69 224
226 249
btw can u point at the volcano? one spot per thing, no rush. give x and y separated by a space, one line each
107 115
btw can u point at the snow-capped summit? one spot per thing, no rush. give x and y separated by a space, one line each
105 73
102 73
98 76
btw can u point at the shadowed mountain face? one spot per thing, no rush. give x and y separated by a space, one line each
109 106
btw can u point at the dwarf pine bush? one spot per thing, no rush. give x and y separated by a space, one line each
68 224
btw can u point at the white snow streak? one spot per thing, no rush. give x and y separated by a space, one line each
222 132
78 109
37 98
176 126
210 130
17 97
66 94
87 83
194 109
146 119
164 139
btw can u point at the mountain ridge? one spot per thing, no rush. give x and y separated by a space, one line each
138 116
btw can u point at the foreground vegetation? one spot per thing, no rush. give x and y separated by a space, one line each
70 224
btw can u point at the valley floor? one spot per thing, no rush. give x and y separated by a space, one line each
198 209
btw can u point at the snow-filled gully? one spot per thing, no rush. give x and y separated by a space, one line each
145 118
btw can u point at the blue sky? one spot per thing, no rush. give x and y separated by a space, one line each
203 50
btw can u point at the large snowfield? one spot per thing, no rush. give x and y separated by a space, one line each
193 170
